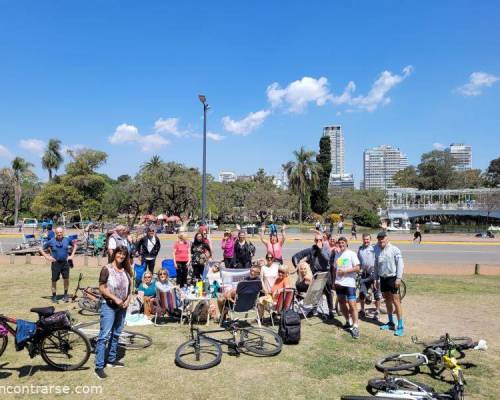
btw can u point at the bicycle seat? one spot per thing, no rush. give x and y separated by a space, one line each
43 311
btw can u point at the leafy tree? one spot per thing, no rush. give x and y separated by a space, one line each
52 158
21 170
153 164
367 218
492 175
435 170
407 178
303 176
261 177
56 198
467 179
319 197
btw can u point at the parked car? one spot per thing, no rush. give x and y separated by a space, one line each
30 223
211 225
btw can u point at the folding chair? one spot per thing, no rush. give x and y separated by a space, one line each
284 301
166 303
168 264
314 293
139 270
247 293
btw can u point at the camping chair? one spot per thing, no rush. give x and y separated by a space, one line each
314 293
284 301
168 264
166 304
231 277
139 270
247 293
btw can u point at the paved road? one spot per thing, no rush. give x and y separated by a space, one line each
425 253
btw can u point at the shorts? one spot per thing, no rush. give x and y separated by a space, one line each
345 292
388 284
417 235
365 287
60 268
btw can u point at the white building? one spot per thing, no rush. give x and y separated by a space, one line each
379 166
344 181
462 155
334 132
227 176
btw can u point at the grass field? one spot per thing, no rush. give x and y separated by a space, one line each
326 363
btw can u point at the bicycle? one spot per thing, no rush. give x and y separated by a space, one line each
203 351
61 346
90 300
432 355
128 340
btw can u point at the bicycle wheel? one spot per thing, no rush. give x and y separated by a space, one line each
384 385
3 343
399 362
261 341
133 340
456 342
91 306
65 349
204 354
402 290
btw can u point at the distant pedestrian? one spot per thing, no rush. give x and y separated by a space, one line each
340 227
59 247
417 234
354 232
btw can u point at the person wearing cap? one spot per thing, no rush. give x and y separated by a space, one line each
389 269
148 248
346 267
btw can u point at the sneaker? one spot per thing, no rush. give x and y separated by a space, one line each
346 326
116 364
54 299
388 327
354 332
65 298
399 332
99 372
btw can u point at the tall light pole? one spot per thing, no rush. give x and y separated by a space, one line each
203 100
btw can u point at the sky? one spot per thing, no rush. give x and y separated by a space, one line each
124 77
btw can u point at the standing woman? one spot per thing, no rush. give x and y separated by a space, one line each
227 246
200 254
115 288
148 248
274 245
182 257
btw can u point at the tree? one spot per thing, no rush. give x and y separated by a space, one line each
21 169
467 179
319 197
303 175
153 164
407 178
435 170
492 175
261 176
52 158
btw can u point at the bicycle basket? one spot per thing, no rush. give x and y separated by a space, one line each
60 319
25 330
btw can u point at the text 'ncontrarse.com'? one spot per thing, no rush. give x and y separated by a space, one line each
50 390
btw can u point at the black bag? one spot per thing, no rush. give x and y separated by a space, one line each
60 319
200 312
289 329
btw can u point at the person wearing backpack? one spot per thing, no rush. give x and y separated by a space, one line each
243 251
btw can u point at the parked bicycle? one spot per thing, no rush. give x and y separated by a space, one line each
90 300
128 340
203 351
60 345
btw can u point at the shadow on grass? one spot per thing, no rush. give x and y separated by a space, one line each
29 370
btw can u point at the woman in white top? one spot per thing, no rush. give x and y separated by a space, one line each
269 273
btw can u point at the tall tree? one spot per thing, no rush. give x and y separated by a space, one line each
20 170
319 197
303 175
52 158
153 164
492 174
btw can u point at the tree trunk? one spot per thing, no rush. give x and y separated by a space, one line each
300 209
17 202
50 174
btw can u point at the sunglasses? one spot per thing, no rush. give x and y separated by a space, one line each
269 258
163 274
148 276
318 240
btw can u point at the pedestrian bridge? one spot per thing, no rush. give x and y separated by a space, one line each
410 203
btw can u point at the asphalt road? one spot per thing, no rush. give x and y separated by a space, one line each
424 253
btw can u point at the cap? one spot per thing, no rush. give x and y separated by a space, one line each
381 235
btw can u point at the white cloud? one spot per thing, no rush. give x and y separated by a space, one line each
378 93
247 124
215 136
5 152
34 146
168 125
125 133
299 93
438 146
477 82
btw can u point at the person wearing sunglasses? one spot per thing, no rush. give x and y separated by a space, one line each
269 272
59 246
162 283
146 291
274 245
318 258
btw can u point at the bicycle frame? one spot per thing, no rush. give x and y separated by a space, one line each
6 321
196 334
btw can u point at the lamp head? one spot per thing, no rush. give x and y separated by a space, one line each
202 98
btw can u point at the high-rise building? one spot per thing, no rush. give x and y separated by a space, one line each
379 166
227 176
334 132
344 181
462 155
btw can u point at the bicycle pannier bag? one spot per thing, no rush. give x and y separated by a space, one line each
60 319
25 330
289 328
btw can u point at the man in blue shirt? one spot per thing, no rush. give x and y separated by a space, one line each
59 258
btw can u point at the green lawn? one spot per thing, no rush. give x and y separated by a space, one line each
326 363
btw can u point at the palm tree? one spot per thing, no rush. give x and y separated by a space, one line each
52 158
20 169
302 174
154 163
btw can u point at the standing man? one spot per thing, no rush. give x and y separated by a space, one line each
59 258
366 255
118 238
148 248
346 267
318 258
389 269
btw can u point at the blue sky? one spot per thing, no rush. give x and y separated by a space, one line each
123 76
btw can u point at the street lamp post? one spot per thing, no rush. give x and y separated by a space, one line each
203 100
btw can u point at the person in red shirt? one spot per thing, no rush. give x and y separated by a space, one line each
182 257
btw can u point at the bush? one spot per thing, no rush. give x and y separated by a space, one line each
367 218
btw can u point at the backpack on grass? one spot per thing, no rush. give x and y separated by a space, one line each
289 328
